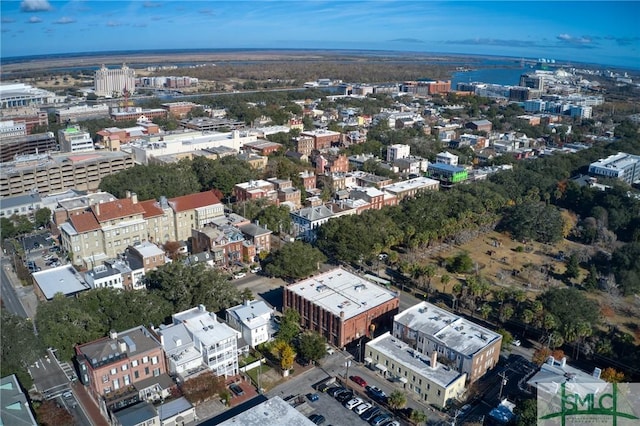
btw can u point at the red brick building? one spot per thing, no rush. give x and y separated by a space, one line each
332 164
341 306
179 109
111 367
322 139
262 147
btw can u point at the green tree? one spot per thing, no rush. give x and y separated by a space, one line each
626 267
527 413
572 268
7 227
294 260
186 286
42 217
445 279
461 263
20 347
532 220
289 325
418 416
312 346
507 337
275 218
397 399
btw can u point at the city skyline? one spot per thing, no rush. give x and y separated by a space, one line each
592 32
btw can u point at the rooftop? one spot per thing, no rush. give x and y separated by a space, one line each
314 213
446 167
407 185
14 410
114 347
455 332
403 354
62 279
341 292
139 413
194 201
204 326
553 373
272 412
172 408
20 200
252 314
148 249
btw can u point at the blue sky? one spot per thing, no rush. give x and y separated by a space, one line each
578 31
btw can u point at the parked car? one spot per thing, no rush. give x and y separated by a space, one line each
303 362
370 413
392 423
256 269
352 403
239 275
317 418
313 397
359 380
323 387
330 350
345 396
359 409
237 390
336 390
516 343
379 419
376 394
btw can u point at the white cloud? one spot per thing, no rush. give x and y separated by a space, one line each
35 6
113 24
65 20
34 20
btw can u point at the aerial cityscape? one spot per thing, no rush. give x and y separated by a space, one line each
281 212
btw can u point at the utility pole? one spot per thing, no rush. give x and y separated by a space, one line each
503 382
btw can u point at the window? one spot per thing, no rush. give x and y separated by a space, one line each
127 380
156 372
136 374
439 392
145 359
114 371
116 384
105 378
124 367
134 363
154 360
146 371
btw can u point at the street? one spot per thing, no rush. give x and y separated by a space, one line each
10 299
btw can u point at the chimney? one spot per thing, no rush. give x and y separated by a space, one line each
98 209
247 302
201 308
563 362
551 360
134 197
123 346
434 359
113 335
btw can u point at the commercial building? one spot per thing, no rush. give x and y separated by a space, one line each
262 147
433 382
63 280
341 306
56 173
447 158
77 113
15 95
272 412
136 113
114 82
253 319
623 166
460 344
185 143
424 88
111 368
13 147
255 189
14 405
206 124
30 116
554 373
411 187
322 139
447 174
179 109
25 204
73 139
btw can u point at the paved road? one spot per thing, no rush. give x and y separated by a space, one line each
10 299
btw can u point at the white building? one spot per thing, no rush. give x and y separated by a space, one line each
554 373
397 151
14 95
183 143
103 276
254 320
114 82
447 158
623 166
461 344
433 382
306 220
411 187
10 128
215 341
73 139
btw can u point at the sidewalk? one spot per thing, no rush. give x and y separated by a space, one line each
90 408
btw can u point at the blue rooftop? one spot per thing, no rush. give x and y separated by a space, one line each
446 167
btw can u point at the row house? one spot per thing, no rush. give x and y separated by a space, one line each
308 219
376 198
412 187
225 243
308 178
115 274
254 320
123 368
322 139
196 340
331 164
254 189
105 229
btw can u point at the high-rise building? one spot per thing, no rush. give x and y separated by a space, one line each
110 82
74 139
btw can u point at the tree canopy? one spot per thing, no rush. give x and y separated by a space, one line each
294 260
20 347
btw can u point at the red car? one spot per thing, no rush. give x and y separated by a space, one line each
359 380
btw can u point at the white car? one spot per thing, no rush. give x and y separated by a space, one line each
362 408
330 350
516 343
353 403
256 270
239 275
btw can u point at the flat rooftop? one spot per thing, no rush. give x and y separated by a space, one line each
62 279
411 184
272 412
338 291
403 354
457 333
